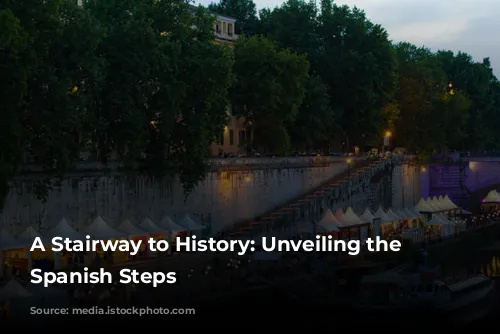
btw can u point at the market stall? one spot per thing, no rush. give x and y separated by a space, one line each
11 293
190 225
359 229
102 230
64 259
172 227
136 234
154 231
13 256
328 224
34 258
386 228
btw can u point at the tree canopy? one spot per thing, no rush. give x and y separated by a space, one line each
144 81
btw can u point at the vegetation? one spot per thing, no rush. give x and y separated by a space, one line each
143 79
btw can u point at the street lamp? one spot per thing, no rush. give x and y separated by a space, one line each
387 136
349 161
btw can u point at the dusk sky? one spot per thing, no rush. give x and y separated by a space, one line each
458 25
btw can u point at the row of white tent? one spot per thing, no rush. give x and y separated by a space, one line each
99 229
492 197
441 204
333 222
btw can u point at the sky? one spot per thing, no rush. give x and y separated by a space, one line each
458 25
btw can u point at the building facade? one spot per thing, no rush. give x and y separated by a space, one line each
234 138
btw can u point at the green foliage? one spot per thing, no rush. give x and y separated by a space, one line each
269 83
144 80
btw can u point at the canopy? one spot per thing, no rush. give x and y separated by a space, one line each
403 214
492 197
463 212
329 222
7 241
189 223
352 218
432 205
149 226
28 236
13 290
367 216
101 230
422 206
339 215
130 229
171 226
64 230
416 213
437 220
381 214
449 203
392 215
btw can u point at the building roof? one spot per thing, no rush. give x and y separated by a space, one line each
223 17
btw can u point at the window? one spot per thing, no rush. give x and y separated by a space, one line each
230 29
224 29
217 27
242 137
231 137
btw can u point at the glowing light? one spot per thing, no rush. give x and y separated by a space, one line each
74 90
388 134
248 178
349 160
424 169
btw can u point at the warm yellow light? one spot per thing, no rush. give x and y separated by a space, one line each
424 169
225 129
349 160
74 90
388 133
247 178
450 85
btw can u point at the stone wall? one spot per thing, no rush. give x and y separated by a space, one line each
228 196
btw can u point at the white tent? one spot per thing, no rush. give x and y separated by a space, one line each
410 213
329 223
367 216
13 290
449 203
339 215
392 215
27 237
352 218
438 204
101 230
380 213
415 212
422 206
64 230
492 197
149 226
190 224
431 205
130 229
171 226
402 214
7 241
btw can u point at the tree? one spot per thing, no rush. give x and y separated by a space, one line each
51 48
269 84
293 25
316 123
13 82
244 11
432 113
477 81
164 94
358 64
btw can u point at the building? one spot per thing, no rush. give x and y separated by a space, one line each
235 136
